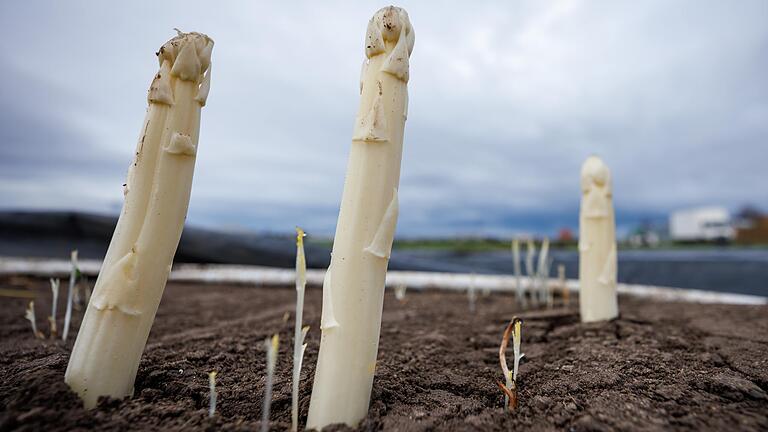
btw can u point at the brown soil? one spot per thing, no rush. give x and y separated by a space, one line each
662 366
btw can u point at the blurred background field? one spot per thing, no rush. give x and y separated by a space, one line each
725 267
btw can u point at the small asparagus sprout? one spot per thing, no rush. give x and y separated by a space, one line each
529 267
52 319
542 268
87 291
563 287
521 301
298 340
271 344
30 316
400 292
550 294
472 293
73 274
212 393
510 389
77 298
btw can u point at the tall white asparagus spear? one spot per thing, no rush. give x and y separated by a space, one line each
354 287
298 337
597 244
127 293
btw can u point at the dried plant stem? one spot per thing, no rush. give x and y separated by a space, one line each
510 377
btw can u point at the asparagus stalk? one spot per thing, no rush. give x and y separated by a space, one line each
542 281
354 287
521 301
597 244
272 345
29 315
212 393
70 294
127 293
298 339
530 252
563 287
400 292
55 283
472 294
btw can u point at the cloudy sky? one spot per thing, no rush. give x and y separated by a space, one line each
507 98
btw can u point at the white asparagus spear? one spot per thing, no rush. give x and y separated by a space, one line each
127 293
597 244
70 294
298 337
354 288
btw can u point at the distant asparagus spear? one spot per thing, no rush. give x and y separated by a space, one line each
521 301
30 316
271 344
55 283
74 272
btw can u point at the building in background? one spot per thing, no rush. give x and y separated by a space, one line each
701 224
751 226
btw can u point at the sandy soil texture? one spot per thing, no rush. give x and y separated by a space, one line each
661 366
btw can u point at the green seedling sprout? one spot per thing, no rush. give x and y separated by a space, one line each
472 293
271 344
510 388
52 319
73 274
300 333
212 393
521 301
400 292
530 252
30 316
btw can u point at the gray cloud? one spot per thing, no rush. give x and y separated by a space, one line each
506 100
